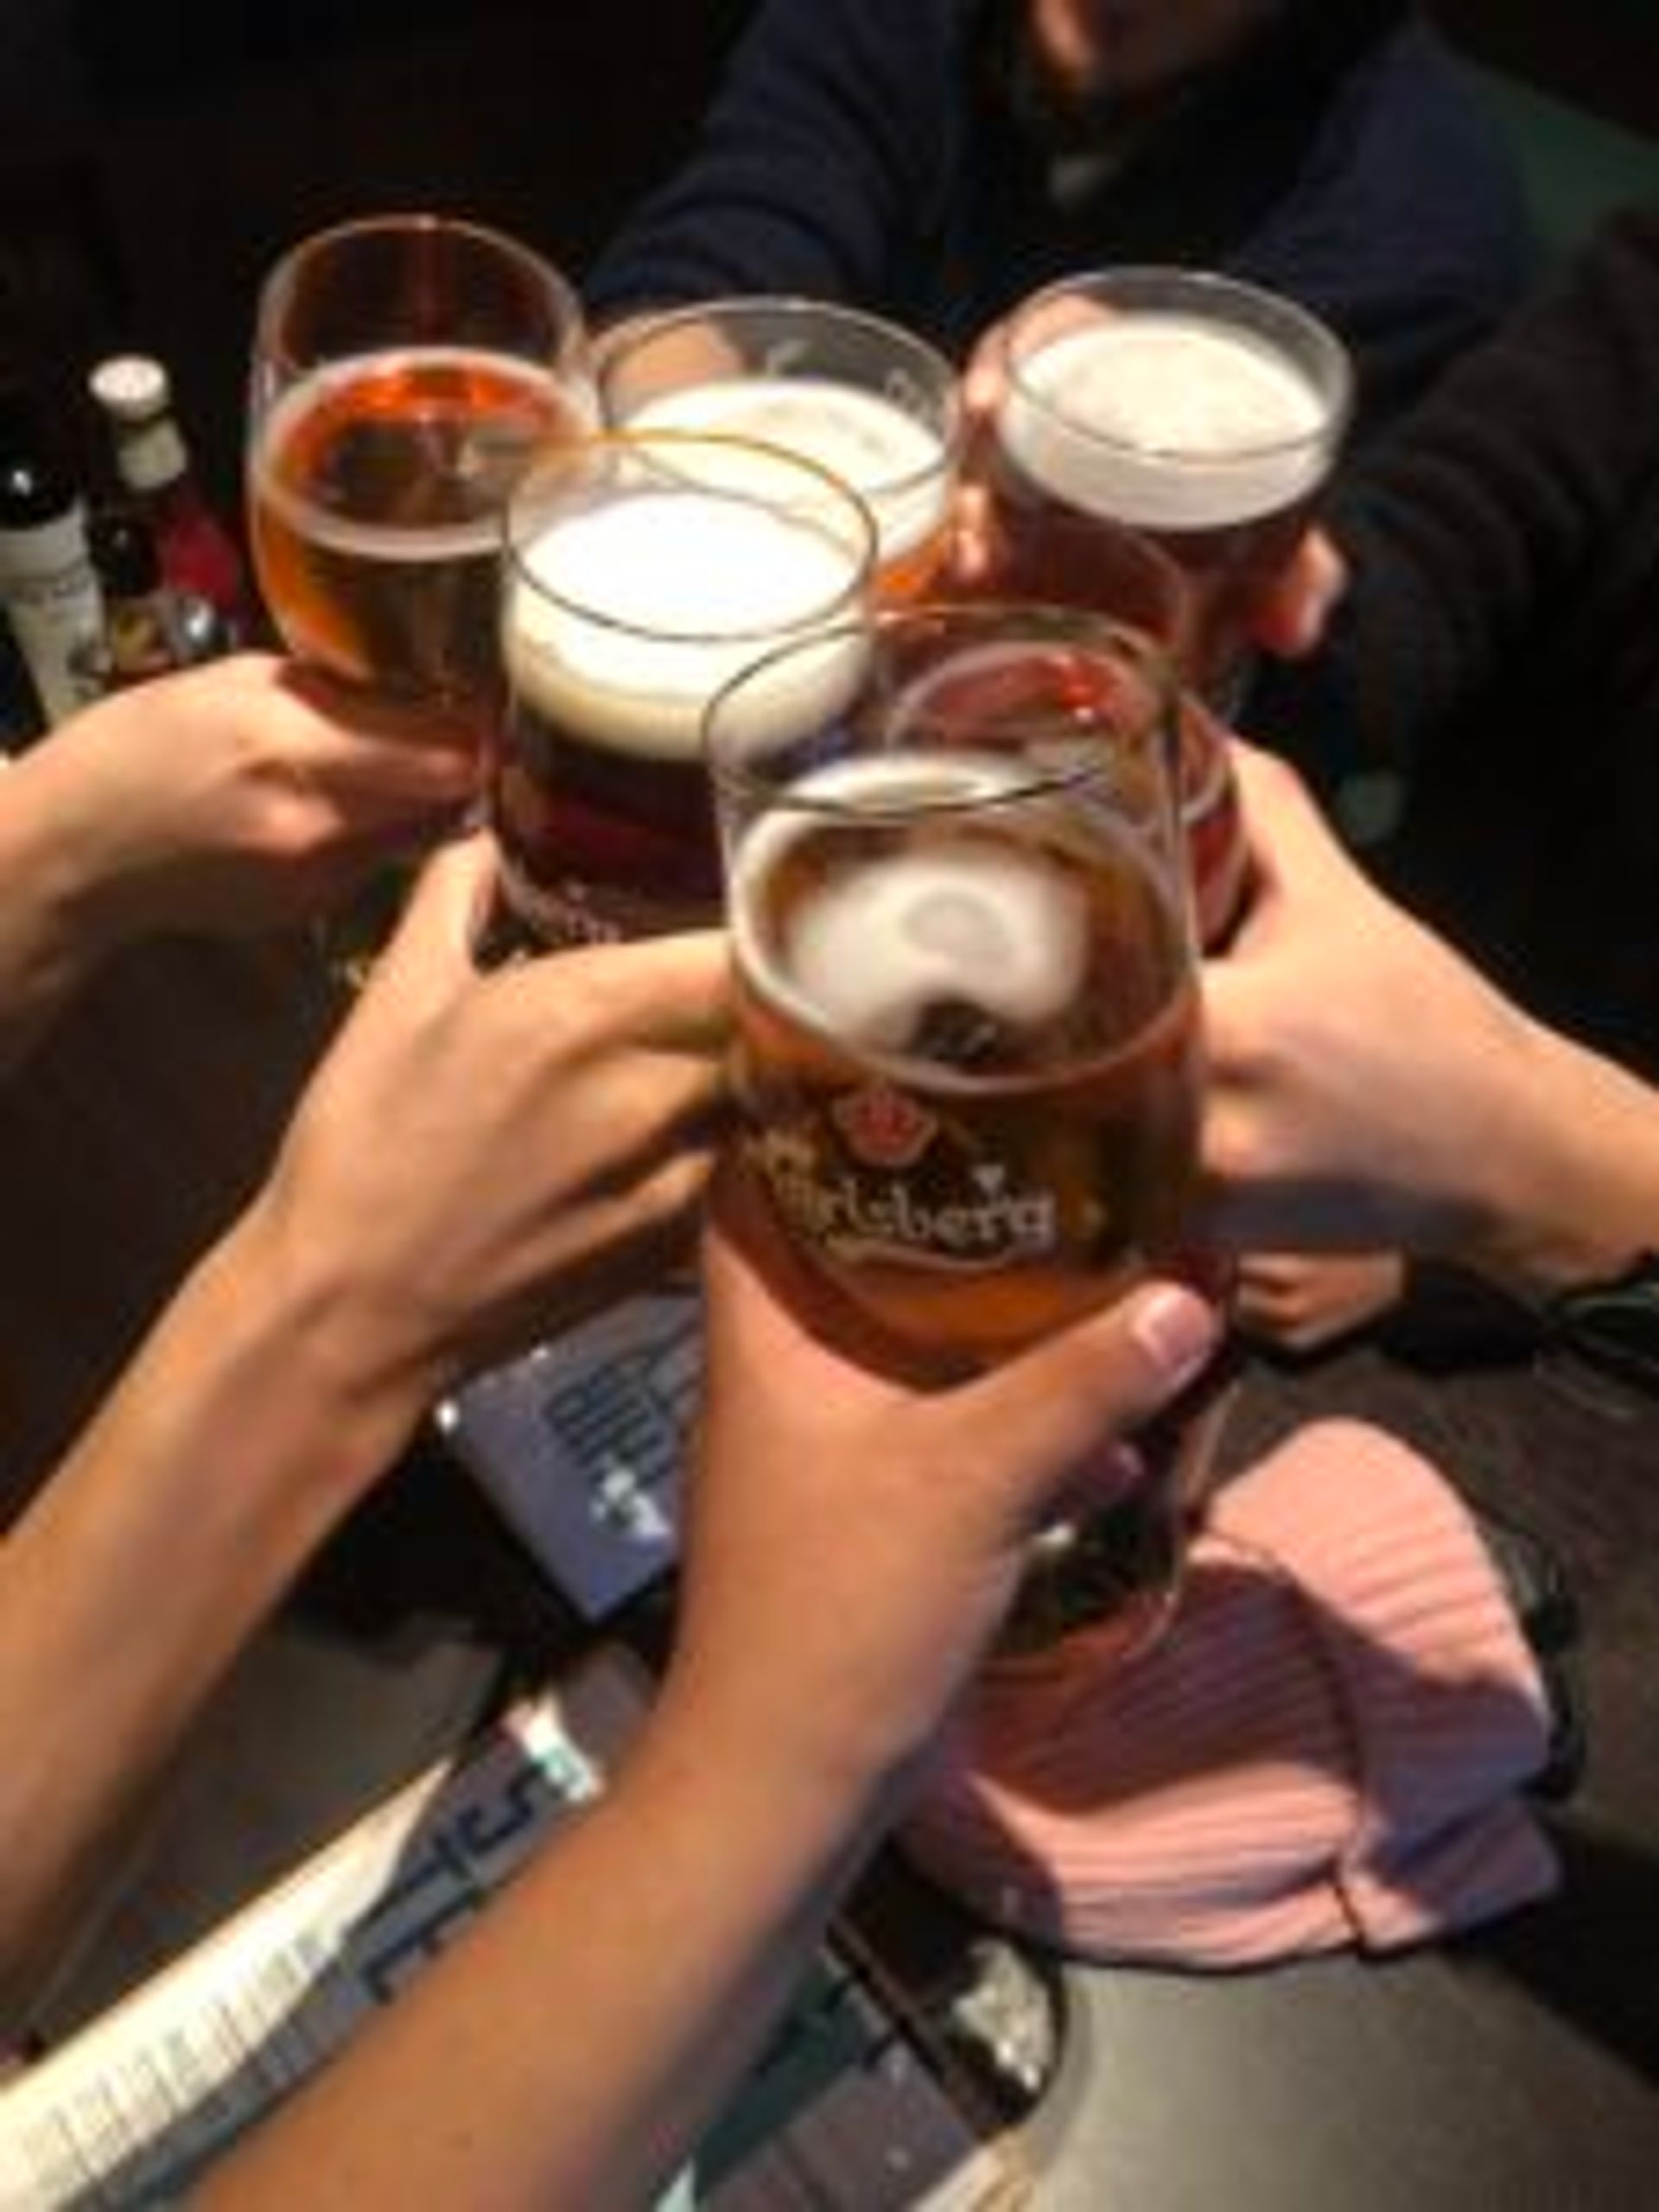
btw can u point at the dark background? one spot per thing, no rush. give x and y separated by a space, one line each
154 157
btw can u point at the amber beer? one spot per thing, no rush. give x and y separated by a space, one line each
377 487
968 1059
862 397
643 573
1203 414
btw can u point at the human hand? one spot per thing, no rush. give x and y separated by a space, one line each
855 1542
484 1159
1300 1302
244 796
1366 1085
1292 621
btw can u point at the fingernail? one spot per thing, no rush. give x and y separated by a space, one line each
1176 1328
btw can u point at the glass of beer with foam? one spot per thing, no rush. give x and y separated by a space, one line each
406 369
863 397
1203 416
967 1010
642 571
1203 413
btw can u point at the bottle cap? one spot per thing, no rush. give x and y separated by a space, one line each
130 386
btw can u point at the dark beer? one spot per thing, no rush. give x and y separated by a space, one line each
624 612
377 487
968 1052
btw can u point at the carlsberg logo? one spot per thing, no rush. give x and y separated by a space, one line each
981 1224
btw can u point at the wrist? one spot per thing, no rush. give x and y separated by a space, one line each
1569 1188
781 1777
834 1766
294 1350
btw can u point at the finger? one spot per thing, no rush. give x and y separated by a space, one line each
983 378
375 780
1292 621
1097 1383
667 991
371 720
1289 839
651 1111
446 911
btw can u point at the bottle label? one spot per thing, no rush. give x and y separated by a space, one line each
56 610
46 552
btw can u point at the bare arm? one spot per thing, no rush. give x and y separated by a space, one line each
571 2048
479 1158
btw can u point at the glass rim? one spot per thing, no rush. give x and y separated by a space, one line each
624 337
1214 284
839 494
1104 635
413 221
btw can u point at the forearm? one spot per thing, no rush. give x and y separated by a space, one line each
219 1464
1568 1167
51 935
573 2048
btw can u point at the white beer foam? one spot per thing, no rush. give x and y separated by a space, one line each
1170 423
862 960
894 461
698 587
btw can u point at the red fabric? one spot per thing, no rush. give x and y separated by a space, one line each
1323 1749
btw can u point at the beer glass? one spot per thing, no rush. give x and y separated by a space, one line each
864 398
405 369
967 1014
642 571
1203 414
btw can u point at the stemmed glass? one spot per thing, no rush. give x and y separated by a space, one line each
406 369
968 1019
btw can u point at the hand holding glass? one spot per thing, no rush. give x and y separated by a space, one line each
966 1010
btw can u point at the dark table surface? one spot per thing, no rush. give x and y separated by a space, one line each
1519 2066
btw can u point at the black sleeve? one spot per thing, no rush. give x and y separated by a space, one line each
1495 501
819 162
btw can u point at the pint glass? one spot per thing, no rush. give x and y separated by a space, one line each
1203 414
642 572
968 1020
863 397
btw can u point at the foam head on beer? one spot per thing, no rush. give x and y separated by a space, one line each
892 458
627 615
940 949
1167 421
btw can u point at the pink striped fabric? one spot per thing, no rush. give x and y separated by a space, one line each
1323 1749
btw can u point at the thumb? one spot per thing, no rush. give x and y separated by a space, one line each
1299 605
446 913
1096 1383
1291 843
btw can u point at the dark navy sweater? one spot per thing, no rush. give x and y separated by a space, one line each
883 151
1501 635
